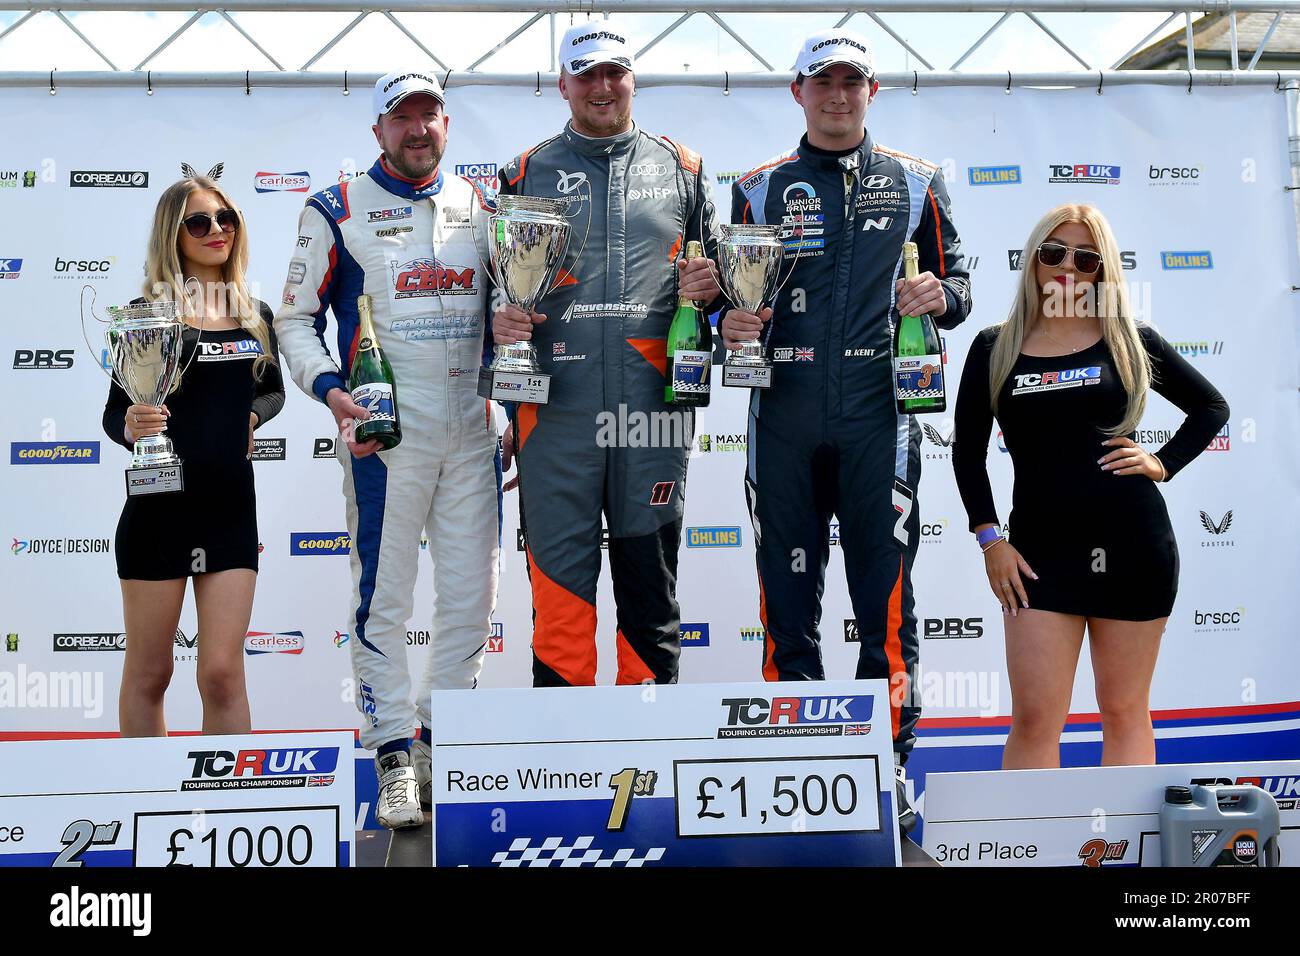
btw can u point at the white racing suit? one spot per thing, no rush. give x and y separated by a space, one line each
409 247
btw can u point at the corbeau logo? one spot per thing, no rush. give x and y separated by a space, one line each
794 716
132 179
313 542
299 182
423 277
53 453
107 641
256 769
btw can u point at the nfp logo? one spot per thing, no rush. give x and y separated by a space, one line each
794 716
248 769
713 537
994 175
282 182
320 542
1186 260
54 453
693 635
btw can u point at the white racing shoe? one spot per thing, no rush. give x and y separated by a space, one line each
422 760
398 806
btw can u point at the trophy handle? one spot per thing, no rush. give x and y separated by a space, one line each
85 338
480 225
555 282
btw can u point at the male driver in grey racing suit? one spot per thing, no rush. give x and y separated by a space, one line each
603 341
400 234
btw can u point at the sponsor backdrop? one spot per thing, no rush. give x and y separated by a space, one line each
1208 235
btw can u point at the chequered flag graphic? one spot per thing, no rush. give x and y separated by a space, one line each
553 852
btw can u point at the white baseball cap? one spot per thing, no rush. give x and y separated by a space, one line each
397 86
836 46
596 41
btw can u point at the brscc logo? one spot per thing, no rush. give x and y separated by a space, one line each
796 716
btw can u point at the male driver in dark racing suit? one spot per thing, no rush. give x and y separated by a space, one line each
606 440
826 437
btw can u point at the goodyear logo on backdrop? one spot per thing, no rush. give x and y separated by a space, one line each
713 537
320 542
54 453
994 175
694 635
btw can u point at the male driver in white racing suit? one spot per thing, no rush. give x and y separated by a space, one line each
400 234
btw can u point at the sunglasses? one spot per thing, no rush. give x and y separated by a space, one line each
1085 260
200 224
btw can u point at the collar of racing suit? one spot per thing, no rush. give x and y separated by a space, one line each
384 175
599 146
828 159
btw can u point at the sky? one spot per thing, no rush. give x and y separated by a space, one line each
699 45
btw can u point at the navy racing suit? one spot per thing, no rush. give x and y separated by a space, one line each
826 438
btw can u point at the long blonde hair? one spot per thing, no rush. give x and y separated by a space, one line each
1118 328
164 277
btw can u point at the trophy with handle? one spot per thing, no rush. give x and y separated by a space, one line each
749 263
527 239
144 350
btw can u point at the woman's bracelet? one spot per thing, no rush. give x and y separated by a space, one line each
988 537
1164 472
993 544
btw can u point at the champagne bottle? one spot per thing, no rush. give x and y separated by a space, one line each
372 384
917 355
690 350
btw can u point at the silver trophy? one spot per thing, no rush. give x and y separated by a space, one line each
144 353
527 239
749 262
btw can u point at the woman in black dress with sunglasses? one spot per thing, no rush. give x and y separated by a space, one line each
1091 546
230 383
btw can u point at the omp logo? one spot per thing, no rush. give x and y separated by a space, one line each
282 182
713 537
1186 260
569 182
316 542
266 642
53 453
794 716
256 769
994 175
694 635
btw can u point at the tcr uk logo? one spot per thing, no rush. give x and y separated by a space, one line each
797 710
262 763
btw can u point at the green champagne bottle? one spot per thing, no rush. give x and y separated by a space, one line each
917 355
690 350
372 384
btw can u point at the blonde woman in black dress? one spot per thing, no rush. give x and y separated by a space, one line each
1091 547
198 251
